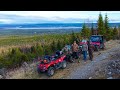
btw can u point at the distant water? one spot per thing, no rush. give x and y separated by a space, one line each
48 28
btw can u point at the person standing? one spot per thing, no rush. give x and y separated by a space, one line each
75 48
84 50
90 51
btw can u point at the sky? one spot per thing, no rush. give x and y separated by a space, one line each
17 17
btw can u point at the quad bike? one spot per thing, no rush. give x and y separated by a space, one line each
97 41
69 54
50 63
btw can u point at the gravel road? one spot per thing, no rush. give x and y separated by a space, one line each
88 70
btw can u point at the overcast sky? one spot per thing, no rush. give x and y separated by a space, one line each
13 17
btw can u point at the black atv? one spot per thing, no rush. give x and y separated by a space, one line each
69 54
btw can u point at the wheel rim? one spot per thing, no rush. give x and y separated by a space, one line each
51 72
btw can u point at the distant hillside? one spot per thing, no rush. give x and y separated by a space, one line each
44 28
51 25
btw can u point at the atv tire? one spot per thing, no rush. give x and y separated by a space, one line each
103 47
64 64
39 71
97 48
71 59
50 71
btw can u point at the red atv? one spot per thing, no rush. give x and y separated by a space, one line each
50 63
97 41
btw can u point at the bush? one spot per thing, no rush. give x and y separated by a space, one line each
33 50
47 50
53 46
14 59
31 55
16 56
39 50
59 45
24 58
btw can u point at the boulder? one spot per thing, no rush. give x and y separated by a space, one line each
2 73
1 77
110 78
25 64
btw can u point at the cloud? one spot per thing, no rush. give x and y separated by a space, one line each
16 17
6 21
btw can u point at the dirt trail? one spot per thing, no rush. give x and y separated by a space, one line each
74 70
97 64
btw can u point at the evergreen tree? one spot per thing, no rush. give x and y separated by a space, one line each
66 41
101 29
92 30
107 33
73 37
85 32
47 50
119 32
39 50
59 47
115 33
106 23
53 46
111 33
77 39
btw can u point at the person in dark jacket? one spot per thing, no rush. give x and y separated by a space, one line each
90 50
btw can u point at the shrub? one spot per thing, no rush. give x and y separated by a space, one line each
59 45
53 46
39 50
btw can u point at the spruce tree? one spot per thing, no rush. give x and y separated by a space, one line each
92 30
85 32
115 33
53 46
101 29
106 24
59 47
119 32
107 33
73 37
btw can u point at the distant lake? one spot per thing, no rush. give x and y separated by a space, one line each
47 28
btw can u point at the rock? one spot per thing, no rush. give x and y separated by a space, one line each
89 69
25 64
109 73
113 69
110 78
3 71
1 77
90 77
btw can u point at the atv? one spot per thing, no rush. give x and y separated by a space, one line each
69 54
50 63
97 41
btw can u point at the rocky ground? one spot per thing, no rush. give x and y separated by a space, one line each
98 68
105 65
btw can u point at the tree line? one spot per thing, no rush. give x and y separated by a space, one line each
102 28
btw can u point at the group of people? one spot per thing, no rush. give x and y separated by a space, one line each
86 48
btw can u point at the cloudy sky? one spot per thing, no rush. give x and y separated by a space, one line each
13 17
